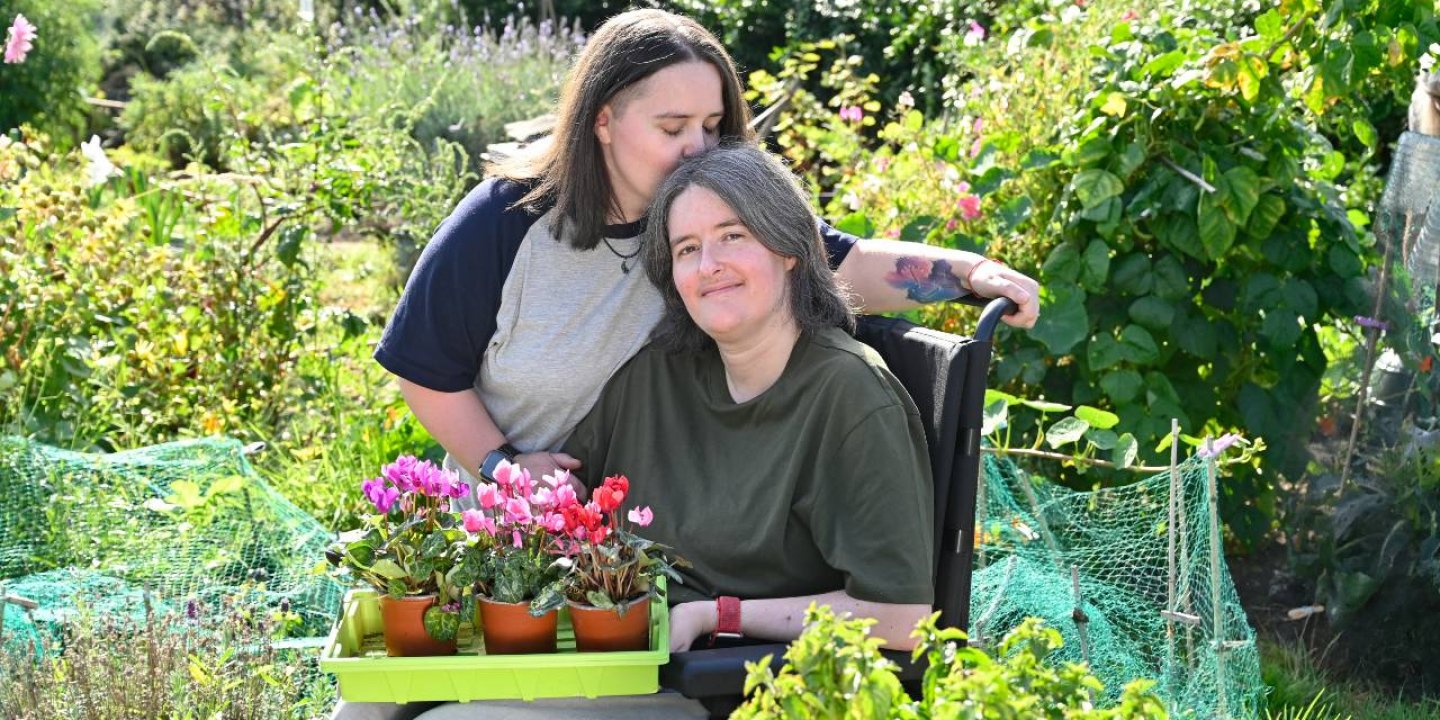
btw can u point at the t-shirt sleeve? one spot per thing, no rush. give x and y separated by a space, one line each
447 313
873 513
837 244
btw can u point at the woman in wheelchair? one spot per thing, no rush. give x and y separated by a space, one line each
780 456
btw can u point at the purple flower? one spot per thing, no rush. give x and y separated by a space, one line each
1371 323
852 113
1218 446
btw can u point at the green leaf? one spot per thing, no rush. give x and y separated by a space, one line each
388 569
1365 133
292 239
996 416
1126 450
1196 336
1281 327
1140 347
1132 275
599 599
1044 406
1097 418
1300 297
185 494
1095 265
1062 265
1152 312
1063 321
1270 25
1114 105
1104 351
1268 211
857 224
1093 187
1344 262
1170 280
1122 385
1217 233
1014 212
1066 430
1102 439
441 625
1162 66
1243 192
917 229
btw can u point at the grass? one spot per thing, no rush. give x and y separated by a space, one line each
1301 690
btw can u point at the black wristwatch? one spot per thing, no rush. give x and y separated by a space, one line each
494 458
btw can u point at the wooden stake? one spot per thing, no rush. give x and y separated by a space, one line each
1217 614
1371 339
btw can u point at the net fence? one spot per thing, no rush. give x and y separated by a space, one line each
187 524
1135 583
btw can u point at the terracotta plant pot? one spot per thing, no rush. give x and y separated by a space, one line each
405 634
605 630
510 629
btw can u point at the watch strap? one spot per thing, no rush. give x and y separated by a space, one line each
727 620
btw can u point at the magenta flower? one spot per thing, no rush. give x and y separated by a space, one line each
20 40
552 521
1218 446
852 113
565 496
641 516
560 476
517 512
969 206
543 498
489 496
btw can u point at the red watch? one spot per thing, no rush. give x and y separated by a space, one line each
727 622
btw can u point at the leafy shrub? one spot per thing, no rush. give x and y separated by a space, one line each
1191 222
48 89
835 670
195 111
155 37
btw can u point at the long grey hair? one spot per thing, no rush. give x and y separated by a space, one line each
768 200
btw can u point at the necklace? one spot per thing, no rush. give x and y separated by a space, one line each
624 259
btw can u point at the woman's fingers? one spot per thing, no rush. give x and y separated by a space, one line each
567 462
995 280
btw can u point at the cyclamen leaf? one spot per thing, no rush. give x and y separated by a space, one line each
388 569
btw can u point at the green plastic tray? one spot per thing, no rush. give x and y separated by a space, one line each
355 654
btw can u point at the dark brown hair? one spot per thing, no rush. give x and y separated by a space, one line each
570 173
768 200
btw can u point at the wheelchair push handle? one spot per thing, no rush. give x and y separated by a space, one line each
995 308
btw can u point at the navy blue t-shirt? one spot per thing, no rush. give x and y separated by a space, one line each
446 316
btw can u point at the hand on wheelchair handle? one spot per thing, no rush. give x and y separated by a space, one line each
992 280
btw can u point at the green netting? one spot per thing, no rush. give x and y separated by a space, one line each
188 523
1038 541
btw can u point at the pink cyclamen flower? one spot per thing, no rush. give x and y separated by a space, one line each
517 512
489 496
552 521
560 476
852 113
20 40
641 516
1218 446
565 496
507 473
969 206
476 521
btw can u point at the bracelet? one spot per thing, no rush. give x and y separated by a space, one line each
727 618
970 285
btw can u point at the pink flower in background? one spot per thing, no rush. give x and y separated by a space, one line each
475 521
882 163
21 39
969 206
641 516
1129 15
852 113
975 35
489 496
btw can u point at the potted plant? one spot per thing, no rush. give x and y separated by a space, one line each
614 571
405 551
513 558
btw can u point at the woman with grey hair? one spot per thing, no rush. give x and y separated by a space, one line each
778 454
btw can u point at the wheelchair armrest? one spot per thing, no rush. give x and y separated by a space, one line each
720 672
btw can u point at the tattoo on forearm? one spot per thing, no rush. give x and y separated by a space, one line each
925 281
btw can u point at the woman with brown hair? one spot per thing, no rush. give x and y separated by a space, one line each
526 301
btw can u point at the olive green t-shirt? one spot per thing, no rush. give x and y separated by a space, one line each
820 483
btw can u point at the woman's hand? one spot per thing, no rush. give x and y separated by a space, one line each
689 621
990 279
541 464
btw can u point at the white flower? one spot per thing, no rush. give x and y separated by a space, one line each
98 168
851 200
